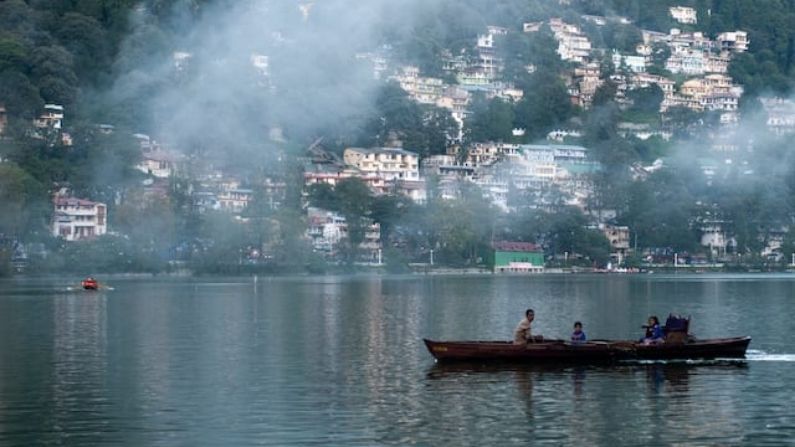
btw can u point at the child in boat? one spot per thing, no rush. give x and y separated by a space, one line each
654 333
578 336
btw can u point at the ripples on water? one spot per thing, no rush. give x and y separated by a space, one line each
340 361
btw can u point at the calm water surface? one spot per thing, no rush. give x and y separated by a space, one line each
340 361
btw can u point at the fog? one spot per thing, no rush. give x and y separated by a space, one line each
200 91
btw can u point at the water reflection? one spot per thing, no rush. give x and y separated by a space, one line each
579 404
340 361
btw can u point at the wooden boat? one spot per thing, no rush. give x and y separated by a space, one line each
591 352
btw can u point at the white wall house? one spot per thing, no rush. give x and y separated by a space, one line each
736 41
386 162
77 219
235 200
158 163
683 14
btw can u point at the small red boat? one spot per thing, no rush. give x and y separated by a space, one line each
90 284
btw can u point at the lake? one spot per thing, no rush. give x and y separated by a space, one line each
340 361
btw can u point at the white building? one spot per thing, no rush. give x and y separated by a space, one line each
3 118
424 90
260 63
77 219
618 237
386 162
158 163
181 59
736 41
327 229
235 200
780 115
51 117
573 45
713 236
683 14
636 64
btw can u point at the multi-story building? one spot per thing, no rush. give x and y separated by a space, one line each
736 41
51 117
687 61
486 154
618 237
683 14
714 237
584 83
386 162
717 63
235 200
712 92
780 115
424 90
573 45
636 64
3 118
333 174
456 100
158 163
261 64
327 229
78 219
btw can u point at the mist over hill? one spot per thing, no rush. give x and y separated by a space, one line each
248 107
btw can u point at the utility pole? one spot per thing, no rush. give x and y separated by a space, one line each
431 256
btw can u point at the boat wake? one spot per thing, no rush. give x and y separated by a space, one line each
755 355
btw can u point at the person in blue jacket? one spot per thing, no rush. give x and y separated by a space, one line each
578 336
654 333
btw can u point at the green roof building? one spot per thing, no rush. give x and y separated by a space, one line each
517 257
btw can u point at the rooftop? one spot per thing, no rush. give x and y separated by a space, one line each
516 246
73 201
383 150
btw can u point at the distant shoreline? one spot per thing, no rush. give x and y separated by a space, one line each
425 272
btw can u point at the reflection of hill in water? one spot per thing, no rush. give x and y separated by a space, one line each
597 405
673 368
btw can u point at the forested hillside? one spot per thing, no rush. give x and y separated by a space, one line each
170 70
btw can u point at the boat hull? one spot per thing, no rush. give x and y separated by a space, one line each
592 352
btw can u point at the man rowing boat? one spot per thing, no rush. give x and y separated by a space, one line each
523 333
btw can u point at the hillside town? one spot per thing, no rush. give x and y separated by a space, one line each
687 71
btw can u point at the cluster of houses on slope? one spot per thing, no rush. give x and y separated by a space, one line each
691 54
545 175
541 176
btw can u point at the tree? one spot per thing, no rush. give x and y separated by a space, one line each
387 210
604 94
322 195
622 37
85 38
13 55
23 200
354 200
422 128
19 95
545 105
53 71
490 121
646 100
